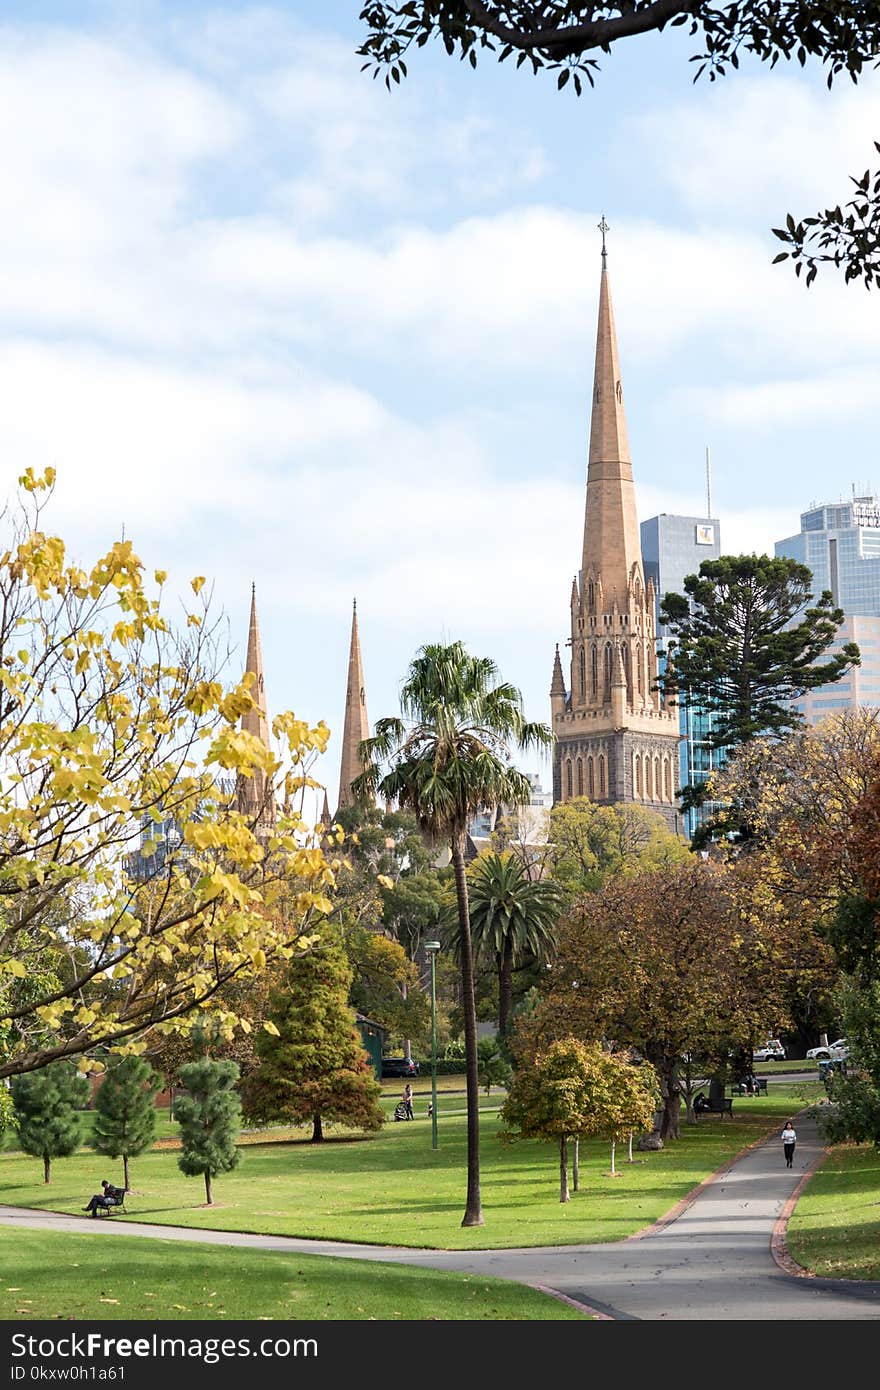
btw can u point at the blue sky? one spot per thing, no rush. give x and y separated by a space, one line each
287 327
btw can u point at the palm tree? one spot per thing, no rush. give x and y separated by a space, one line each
447 758
511 918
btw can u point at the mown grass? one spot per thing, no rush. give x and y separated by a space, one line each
835 1230
780 1068
101 1276
394 1189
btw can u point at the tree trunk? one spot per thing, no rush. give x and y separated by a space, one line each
407 1043
576 1166
563 1169
125 1173
317 1129
613 1152
47 1169
629 1155
669 1090
505 988
473 1214
209 1195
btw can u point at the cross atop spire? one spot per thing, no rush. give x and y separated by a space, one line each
603 228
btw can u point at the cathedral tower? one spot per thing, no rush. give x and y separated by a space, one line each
356 727
616 739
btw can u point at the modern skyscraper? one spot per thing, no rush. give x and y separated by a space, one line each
672 548
356 726
840 544
616 739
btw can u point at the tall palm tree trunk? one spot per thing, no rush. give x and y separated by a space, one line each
505 987
473 1215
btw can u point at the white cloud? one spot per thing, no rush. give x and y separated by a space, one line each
766 146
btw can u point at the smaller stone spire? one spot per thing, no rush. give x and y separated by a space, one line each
557 685
252 797
356 726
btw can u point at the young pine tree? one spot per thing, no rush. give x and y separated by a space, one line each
125 1122
47 1104
312 1067
209 1117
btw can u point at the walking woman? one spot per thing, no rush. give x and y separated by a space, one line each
789 1139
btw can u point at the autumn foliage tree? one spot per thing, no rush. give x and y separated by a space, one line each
665 963
112 721
312 1068
574 1090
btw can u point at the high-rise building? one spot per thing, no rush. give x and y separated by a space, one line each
840 544
672 548
616 737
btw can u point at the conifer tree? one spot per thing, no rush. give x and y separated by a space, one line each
209 1117
47 1105
312 1066
125 1122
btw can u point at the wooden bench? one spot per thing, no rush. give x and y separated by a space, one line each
721 1105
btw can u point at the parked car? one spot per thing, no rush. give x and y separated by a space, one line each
833 1052
398 1066
769 1051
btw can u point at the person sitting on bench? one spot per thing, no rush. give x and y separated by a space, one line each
110 1197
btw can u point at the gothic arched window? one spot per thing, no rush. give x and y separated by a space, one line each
649 781
568 780
594 671
637 774
603 785
667 779
591 779
582 672
606 696
580 776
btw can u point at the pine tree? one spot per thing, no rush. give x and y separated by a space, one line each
47 1103
313 1068
209 1117
125 1122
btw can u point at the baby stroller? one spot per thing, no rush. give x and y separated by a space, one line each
400 1110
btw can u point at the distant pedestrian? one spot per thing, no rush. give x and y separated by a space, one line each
407 1101
789 1139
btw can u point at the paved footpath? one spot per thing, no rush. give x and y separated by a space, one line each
712 1262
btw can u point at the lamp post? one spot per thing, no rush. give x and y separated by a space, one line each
431 949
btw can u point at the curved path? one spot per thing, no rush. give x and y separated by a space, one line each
712 1261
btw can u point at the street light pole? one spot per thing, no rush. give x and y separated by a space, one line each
431 949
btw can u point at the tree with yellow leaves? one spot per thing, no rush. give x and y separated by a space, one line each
110 721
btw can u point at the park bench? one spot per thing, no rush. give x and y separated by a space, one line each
759 1087
118 1201
720 1105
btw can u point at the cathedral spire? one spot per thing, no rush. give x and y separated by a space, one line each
356 727
557 685
252 799
611 530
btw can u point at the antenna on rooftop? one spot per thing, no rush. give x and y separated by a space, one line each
708 483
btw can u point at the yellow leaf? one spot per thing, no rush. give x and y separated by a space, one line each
196 585
161 576
270 1028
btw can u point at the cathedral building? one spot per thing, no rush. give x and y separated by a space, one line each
617 739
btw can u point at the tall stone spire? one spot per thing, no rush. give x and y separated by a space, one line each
611 529
615 740
251 795
356 727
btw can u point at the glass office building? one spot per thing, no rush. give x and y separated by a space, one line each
840 544
672 548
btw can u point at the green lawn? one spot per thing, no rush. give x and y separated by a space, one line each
780 1068
62 1276
835 1230
394 1189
